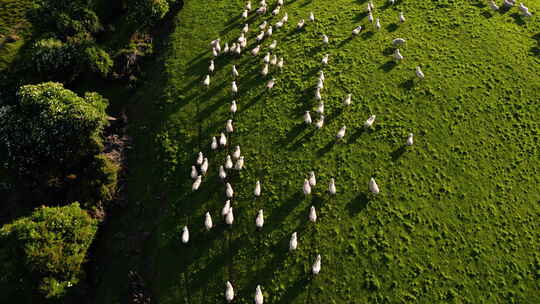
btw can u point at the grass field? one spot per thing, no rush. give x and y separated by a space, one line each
457 217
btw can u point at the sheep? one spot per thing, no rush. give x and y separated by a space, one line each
318 94
307 118
280 2
509 3
263 25
238 50
307 187
325 59
211 67
226 48
214 144
196 183
332 187
377 24
317 265
214 42
370 17
280 63
523 8
218 46
392 2
262 3
293 243
228 162
214 52
258 295
357 30
234 71
341 132
236 153
234 87
311 17
222 173
320 107
401 17
208 221
229 292
248 5
239 163
185 235
372 6
200 158
245 14
410 139
300 24
259 221
369 122
285 18
320 122
269 31
348 100
206 81
278 25
273 61
397 56
226 208
320 84
398 41
275 12
259 38
312 214
321 75
229 190
194 172
368 8
325 39
493 6
222 140
257 191
261 10
204 166
273 45
229 126
419 73
229 217
233 107
312 179
266 58
373 187
270 84
255 50
264 71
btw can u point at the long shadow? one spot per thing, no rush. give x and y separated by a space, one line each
398 153
407 84
388 51
344 41
303 139
518 19
334 115
535 51
388 66
367 35
280 213
361 16
487 14
354 137
358 204
504 9
294 290
293 133
322 151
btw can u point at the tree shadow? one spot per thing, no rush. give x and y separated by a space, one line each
407 84
392 27
357 204
398 153
388 66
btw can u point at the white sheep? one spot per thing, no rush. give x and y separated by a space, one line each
320 122
318 94
226 48
311 17
194 172
215 52
410 140
273 45
307 187
320 107
214 144
300 24
229 292
273 61
257 191
229 190
317 265
332 186
312 214
509 3
211 67
321 75
229 126
357 30
238 49
369 122
392 2
341 132
226 208
325 39
348 100
245 14
208 221
206 81
370 17
307 118
269 31
245 29
234 87
255 50
234 71
262 3
377 24
204 166
233 107
248 5
229 217
293 243
275 12
222 173
266 58
261 10
325 59
239 163
264 70
398 41
278 24
320 84
228 162
200 158
222 140
401 17
259 221
259 299
270 84
218 46
312 179
263 25
280 2
368 8
419 73
285 18
397 56
280 63
259 38
373 187
185 235
236 153
493 5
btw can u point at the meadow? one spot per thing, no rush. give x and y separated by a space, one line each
457 217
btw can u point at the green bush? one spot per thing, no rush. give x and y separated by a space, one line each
53 56
148 12
98 60
46 250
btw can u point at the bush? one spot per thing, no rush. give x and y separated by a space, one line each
54 56
98 60
46 250
148 12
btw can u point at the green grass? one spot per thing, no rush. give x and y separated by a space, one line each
457 217
12 22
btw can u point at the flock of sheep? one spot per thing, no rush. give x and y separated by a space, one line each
236 160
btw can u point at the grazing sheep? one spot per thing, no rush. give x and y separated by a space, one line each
325 39
392 2
280 63
196 183
204 166
307 187
257 191
509 3
370 17
300 24
410 139
262 3
311 17
211 67
226 48
233 107
348 100
320 122
261 10
214 144
369 122
208 221
234 88
312 179
264 71
357 30
318 94
321 75
270 84
273 61
275 12
234 71
228 126
419 73
307 118
368 8
222 173
377 25
245 29
332 187
245 14
266 58
200 158
239 163
325 59
493 6
222 140
214 52
259 221
228 162
280 2
229 217
320 108
229 292
218 46
259 38
397 56
398 41
185 235
248 5
373 187
285 18
312 214
273 45
269 31
341 132
259 299
401 17
236 153
229 191
255 50
226 208
293 243
206 81
194 172
238 50
320 84
263 25
317 265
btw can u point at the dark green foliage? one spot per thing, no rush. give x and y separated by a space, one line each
98 60
52 56
51 128
147 12
45 251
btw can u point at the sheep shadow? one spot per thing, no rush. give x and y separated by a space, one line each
518 19
333 116
294 290
322 151
360 16
504 9
357 204
487 14
344 41
367 35
535 51
392 27
356 135
395 155
407 84
388 66
388 51
292 134
303 139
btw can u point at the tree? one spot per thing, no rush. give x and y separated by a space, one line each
46 250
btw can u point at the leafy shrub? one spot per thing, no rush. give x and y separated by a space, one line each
98 60
45 251
147 12
53 56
